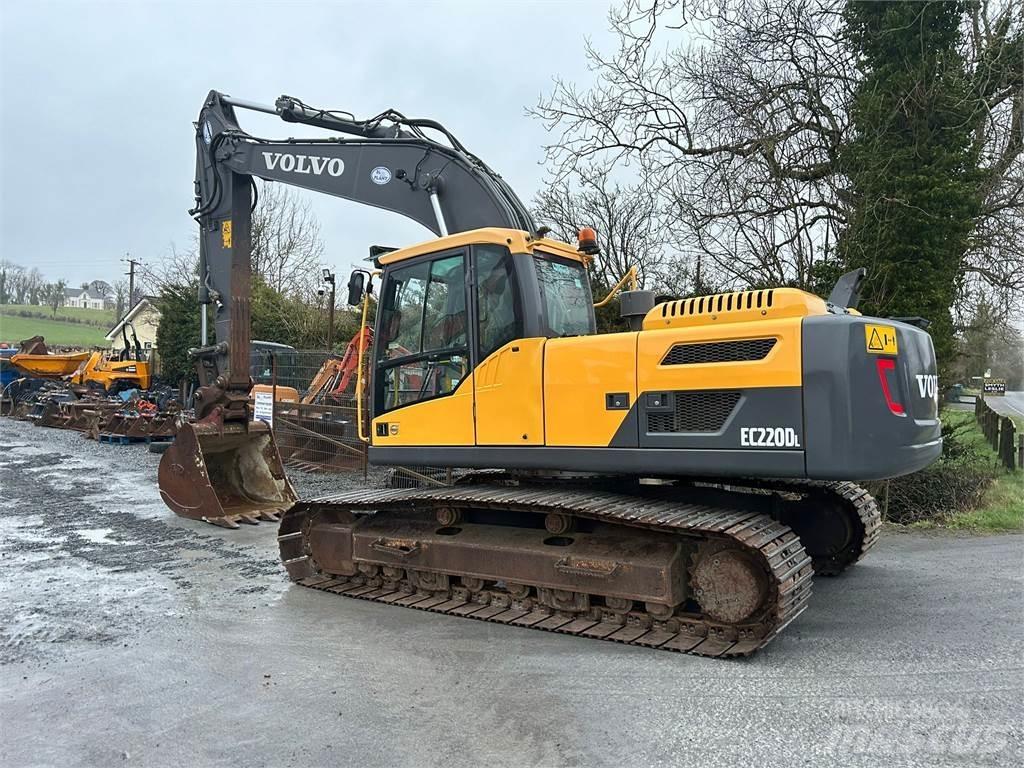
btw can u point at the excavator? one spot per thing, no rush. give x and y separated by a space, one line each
675 485
331 382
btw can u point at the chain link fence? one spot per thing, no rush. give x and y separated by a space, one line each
315 415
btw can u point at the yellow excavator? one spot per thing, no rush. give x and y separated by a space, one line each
673 486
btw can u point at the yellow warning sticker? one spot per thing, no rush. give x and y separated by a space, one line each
880 339
225 233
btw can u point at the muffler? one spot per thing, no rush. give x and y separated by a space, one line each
225 475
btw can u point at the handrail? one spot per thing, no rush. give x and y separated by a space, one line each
630 276
359 370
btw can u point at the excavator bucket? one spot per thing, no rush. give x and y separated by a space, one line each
225 475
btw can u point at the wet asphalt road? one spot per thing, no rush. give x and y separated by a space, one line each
131 637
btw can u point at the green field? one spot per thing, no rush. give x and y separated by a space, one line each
99 317
13 329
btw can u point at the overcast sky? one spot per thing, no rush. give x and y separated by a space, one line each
97 101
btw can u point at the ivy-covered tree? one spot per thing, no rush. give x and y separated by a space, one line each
913 177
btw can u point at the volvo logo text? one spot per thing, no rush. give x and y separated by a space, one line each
334 166
928 385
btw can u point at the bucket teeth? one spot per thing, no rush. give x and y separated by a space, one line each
248 518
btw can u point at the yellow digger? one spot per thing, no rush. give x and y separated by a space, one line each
101 372
129 370
674 486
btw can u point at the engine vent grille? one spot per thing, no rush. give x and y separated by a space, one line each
719 352
720 302
694 412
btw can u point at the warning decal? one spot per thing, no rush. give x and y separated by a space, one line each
225 233
880 339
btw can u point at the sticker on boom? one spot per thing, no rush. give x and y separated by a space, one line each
769 437
880 339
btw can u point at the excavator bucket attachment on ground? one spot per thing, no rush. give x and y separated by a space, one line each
225 475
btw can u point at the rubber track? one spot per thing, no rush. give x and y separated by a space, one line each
776 545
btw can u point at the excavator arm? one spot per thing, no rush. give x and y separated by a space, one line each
225 468
388 162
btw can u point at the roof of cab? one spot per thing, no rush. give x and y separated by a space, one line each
516 240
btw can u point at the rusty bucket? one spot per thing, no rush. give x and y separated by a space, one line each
225 475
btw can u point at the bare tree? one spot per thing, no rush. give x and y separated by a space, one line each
738 129
625 217
7 270
736 110
18 282
994 48
178 267
286 247
120 298
54 295
34 283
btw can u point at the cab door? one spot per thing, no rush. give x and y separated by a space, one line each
422 394
508 378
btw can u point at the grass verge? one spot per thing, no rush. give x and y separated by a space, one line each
996 502
1002 508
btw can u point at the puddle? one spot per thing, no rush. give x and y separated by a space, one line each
100 536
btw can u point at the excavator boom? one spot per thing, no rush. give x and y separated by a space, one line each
389 162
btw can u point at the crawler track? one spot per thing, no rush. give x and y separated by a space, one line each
854 503
774 547
837 521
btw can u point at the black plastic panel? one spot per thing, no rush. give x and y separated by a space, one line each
644 462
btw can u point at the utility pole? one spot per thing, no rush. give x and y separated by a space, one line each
132 264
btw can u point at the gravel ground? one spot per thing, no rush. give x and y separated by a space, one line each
131 637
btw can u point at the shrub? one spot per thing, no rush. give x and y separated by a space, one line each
956 483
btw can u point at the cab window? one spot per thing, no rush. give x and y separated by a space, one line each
423 348
565 296
499 314
401 325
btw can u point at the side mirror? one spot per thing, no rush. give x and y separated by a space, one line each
356 287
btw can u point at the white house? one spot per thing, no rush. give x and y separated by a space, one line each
84 298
